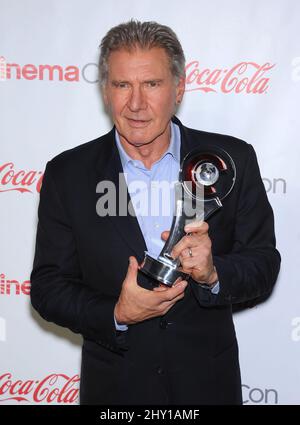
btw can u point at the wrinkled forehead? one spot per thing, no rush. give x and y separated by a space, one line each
137 59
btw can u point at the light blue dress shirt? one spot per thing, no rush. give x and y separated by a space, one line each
152 194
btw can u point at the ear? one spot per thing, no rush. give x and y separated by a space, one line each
180 89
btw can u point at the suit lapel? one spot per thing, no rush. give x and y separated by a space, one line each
109 167
186 142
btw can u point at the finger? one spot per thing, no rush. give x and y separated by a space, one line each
165 235
197 227
174 291
184 243
174 301
170 304
132 270
160 288
177 281
188 263
142 264
197 242
186 253
191 253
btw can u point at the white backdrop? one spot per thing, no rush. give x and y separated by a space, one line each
243 66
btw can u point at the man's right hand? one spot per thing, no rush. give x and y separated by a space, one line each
136 304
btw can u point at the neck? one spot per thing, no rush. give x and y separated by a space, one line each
150 152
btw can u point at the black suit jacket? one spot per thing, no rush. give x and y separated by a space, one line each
189 356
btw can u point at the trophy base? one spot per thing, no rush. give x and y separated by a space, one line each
162 272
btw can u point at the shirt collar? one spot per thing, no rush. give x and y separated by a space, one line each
173 149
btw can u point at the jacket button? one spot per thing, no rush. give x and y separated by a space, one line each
160 370
163 324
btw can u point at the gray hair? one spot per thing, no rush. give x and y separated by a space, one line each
145 35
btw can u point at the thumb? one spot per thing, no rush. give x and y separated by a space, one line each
160 288
132 269
165 235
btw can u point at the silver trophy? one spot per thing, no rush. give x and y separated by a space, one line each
206 177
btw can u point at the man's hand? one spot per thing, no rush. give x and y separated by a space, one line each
194 253
136 304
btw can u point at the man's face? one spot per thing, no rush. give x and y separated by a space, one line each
141 94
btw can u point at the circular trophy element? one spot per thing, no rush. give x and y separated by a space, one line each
206 174
209 168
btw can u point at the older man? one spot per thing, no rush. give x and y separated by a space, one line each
169 345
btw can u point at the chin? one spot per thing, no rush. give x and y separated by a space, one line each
138 139
138 143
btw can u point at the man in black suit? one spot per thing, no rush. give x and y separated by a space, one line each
167 345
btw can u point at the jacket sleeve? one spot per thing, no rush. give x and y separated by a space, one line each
58 291
249 271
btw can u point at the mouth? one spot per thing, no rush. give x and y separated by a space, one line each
138 123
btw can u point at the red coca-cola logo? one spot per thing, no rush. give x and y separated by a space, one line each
19 180
245 77
54 388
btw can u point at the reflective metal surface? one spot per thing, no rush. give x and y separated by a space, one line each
207 175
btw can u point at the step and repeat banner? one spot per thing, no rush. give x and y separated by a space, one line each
243 79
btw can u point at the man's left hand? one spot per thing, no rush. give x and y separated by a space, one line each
194 253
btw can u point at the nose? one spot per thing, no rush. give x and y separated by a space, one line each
137 100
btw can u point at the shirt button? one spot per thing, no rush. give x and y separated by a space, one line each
156 225
160 370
